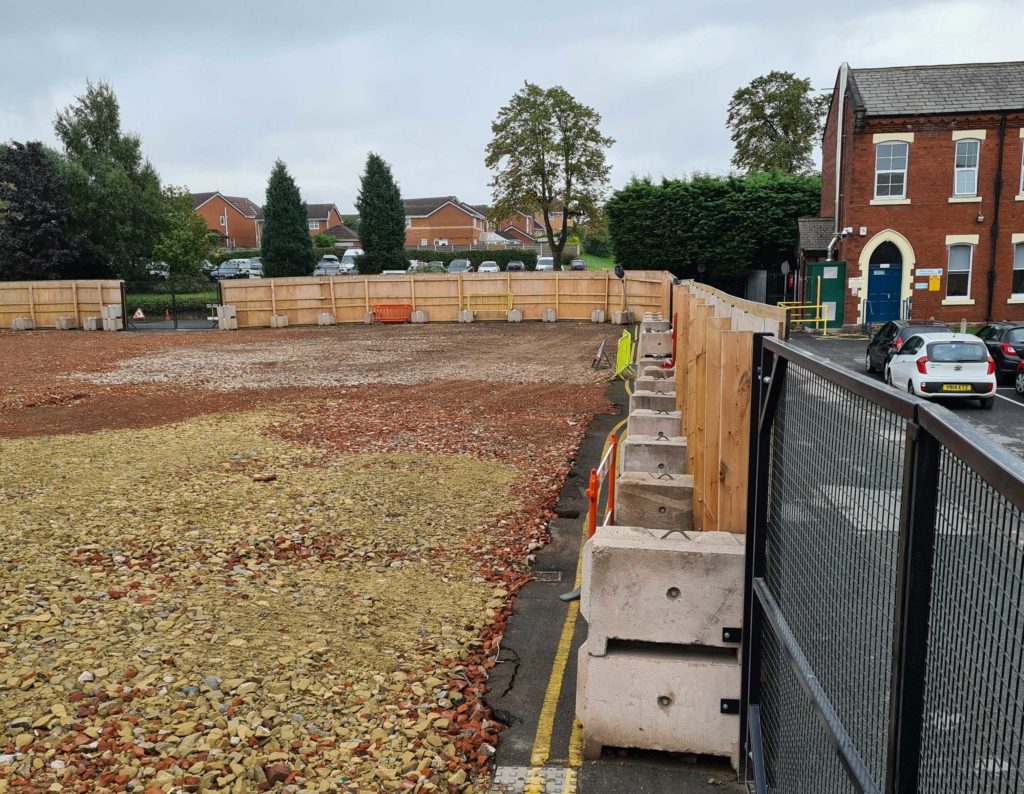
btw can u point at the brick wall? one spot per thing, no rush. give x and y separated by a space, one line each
241 231
448 223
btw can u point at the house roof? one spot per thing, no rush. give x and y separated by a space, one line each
341 232
481 208
946 88
815 233
199 199
510 237
319 212
248 208
422 207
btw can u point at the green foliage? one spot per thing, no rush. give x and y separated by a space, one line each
598 244
217 257
323 241
352 221
153 304
112 191
186 242
35 237
287 246
503 257
381 219
547 153
730 224
775 122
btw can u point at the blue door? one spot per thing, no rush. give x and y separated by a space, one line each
884 282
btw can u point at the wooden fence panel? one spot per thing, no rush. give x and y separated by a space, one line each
737 352
45 301
714 389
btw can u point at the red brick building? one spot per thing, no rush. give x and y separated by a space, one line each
443 221
925 190
235 220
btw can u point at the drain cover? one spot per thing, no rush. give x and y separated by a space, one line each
533 780
547 576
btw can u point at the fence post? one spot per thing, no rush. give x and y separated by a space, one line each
174 309
914 564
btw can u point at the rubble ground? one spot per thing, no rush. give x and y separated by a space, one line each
301 590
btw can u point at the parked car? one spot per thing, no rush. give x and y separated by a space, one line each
890 338
488 266
327 267
415 264
253 268
944 365
348 261
577 264
159 271
1005 343
460 266
546 263
1018 382
232 268
329 258
515 266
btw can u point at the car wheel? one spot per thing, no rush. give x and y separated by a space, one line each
1018 384
987 402
888 377
867 363
910 387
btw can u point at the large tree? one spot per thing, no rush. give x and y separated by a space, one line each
287 247
775 122
548 154
381 219
35 237
185 242
113 191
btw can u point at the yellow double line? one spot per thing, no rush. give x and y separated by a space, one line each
541 751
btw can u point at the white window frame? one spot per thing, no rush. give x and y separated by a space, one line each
314 226
424 242
958 170
1021 191
408 222
970 269
906 162
1015 267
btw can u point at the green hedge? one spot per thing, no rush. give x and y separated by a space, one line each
153 304
528 258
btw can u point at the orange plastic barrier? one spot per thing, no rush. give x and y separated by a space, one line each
604 471
391 312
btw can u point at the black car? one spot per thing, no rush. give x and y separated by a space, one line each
577 264
515 266
891 336
1005 343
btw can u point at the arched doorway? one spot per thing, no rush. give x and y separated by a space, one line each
886 263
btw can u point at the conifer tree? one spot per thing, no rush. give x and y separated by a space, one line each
287 248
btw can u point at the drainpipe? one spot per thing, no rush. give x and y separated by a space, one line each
828 251
993 232
844 72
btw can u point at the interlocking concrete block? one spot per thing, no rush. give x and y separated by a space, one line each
111 311
279 321
113 324
597 316
656 385
645 422
227 310
651 401
650 361
325 318
418 316
465 316
22 324
92 323
658 698
655 324
368 318
622 318
658 372
514 315
646 500
548 316
655 343
654 454
65 323
228 324
681 589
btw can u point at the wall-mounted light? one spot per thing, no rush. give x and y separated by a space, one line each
981 218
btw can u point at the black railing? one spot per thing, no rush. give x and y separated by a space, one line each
884 607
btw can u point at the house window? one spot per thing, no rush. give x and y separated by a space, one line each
1021 191
958 271
965 168
408 222
1017 283
891 170
423 242
314 225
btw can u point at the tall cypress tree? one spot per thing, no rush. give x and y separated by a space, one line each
35 240
287 247
381 219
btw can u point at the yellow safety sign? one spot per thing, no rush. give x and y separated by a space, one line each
933 283
624 356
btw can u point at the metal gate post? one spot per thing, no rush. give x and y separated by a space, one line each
124 308
174 309
914 564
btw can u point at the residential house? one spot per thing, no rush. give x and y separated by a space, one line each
321 217
443 220
923 182
519 227
556 222
343 236
235 220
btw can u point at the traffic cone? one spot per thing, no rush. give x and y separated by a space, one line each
167 315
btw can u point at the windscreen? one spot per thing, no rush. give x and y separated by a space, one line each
1016 336
957 352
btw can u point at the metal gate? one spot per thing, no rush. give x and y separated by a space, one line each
884 614
165 305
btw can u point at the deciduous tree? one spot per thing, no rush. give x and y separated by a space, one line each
548 154
775 122
287 248
185 242
381 219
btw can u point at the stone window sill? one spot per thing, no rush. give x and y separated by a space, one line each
965 199
882 202
1015 299
958 301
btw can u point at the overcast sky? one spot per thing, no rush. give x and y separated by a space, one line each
219 90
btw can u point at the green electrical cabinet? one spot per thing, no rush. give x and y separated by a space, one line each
833 291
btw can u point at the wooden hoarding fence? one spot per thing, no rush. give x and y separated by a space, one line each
45 301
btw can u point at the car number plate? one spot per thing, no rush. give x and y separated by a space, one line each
956 387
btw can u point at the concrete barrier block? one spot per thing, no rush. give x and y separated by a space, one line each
656 503
514 316
325 318
228 324
649 361
622 318
113 324
651 401
227 310
22 324
111 311
368 318
597 316
658 372
656 385
654 454
279 321
548 316
655 343
645 422
655 324
65 323
658 698
465 316
418 316
683 589
92 323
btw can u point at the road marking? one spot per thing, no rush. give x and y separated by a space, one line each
1018 403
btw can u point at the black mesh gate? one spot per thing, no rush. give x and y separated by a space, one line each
884 648
168 305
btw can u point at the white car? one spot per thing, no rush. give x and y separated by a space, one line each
944 365
488 266
546 263
348 260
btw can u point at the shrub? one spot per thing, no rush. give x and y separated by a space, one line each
153 304
597 245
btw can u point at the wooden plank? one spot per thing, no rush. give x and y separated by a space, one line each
74 297
412 292
713 395
273 298
734 431
695 413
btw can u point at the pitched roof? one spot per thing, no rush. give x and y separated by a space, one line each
509 236
248 208
481 208
946 88
341 232
199 199
318 212
421 207
815 233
